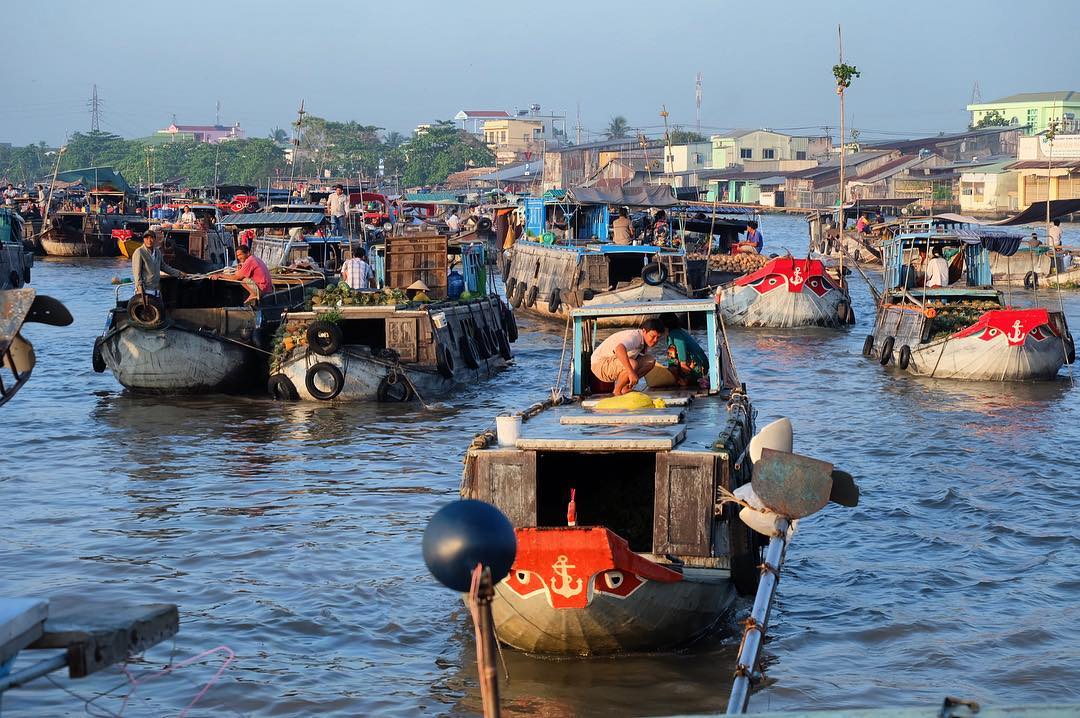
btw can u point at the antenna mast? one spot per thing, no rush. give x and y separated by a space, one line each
697 100
95 111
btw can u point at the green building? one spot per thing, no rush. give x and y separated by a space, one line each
1033 110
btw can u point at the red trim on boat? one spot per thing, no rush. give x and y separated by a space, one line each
790 272
1015 324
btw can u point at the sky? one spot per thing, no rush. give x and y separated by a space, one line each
399 64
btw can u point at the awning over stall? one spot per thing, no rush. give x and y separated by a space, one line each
643 196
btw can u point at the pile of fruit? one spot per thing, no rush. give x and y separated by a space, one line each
290 335
341 295
951 317
742 263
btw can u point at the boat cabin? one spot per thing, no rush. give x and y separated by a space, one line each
288 238
649 475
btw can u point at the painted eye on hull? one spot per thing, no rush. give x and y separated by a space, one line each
613 579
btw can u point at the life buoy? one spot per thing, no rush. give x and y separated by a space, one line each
281 388
555 302
868 345
511 285
324 338
530 298
394 388
904 359
509 323
519 295
146 311
654 274
1031 280
327 373
98 360
886 350
444 361
468 352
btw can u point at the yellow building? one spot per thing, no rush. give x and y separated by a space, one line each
514 140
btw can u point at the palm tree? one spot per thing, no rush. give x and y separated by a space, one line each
394 139
279 135
617 128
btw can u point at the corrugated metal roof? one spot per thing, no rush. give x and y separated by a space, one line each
432 196
1059 96
273 219
1042 164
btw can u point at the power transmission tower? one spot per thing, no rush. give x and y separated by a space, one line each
697 100
976 94
95 111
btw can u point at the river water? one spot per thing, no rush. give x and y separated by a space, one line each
290 534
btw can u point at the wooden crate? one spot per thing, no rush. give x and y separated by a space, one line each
412 258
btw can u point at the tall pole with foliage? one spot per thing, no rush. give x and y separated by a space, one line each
844 74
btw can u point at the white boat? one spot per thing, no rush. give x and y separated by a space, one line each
787 292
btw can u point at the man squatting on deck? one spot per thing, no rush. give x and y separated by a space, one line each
252 272
147 264
623 357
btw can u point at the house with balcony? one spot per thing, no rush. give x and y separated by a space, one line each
514 139
1033 111
1047 170
471 120
764 150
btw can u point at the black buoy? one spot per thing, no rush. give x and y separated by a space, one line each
466 533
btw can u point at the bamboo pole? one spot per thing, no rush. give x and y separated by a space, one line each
840 90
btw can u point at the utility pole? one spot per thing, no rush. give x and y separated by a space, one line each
697 100
217 115
95 111
578 140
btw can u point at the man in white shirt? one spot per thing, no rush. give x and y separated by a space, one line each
337 206
623 357
1053 235
356 272
453 222
187 217
937 271
10 194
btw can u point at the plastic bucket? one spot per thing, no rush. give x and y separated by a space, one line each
507 430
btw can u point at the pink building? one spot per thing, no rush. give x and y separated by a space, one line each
205 133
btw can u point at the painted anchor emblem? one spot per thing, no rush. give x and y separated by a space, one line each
798 278
569 586
1017 333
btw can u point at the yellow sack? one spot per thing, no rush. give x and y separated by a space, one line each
630 400
659 376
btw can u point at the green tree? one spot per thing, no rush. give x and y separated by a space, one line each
618 128
680 136
279 135
993 118
93 149
394 139
443 148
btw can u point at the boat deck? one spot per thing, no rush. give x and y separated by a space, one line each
583 427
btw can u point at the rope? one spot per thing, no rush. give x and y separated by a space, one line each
556 391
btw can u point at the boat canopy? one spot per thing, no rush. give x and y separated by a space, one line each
95 179
1032 215
586 320
274 219
644 196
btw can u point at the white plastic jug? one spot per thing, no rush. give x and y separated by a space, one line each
507 430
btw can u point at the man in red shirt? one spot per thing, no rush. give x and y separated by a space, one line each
252 273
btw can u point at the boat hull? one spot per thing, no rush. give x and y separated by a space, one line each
366 378
90 246
786 292
169 360
656 616
975 359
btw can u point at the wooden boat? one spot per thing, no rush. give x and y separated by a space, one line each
396 352
964 330
15 259
109 202
549 277
650 560
199 337
787 292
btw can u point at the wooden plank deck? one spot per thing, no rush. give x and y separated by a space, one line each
642 416
586 430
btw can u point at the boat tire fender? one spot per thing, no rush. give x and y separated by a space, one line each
1031 280
146 311
509 324
654 274
327 371
519 295
504 347
26 275
1070 349
483 224
511 285
555 302
394 389
98 360
16 280
885 355
868 345
324 338
530 298
444 361
281 388
587 294
904 358
468 352
842 312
